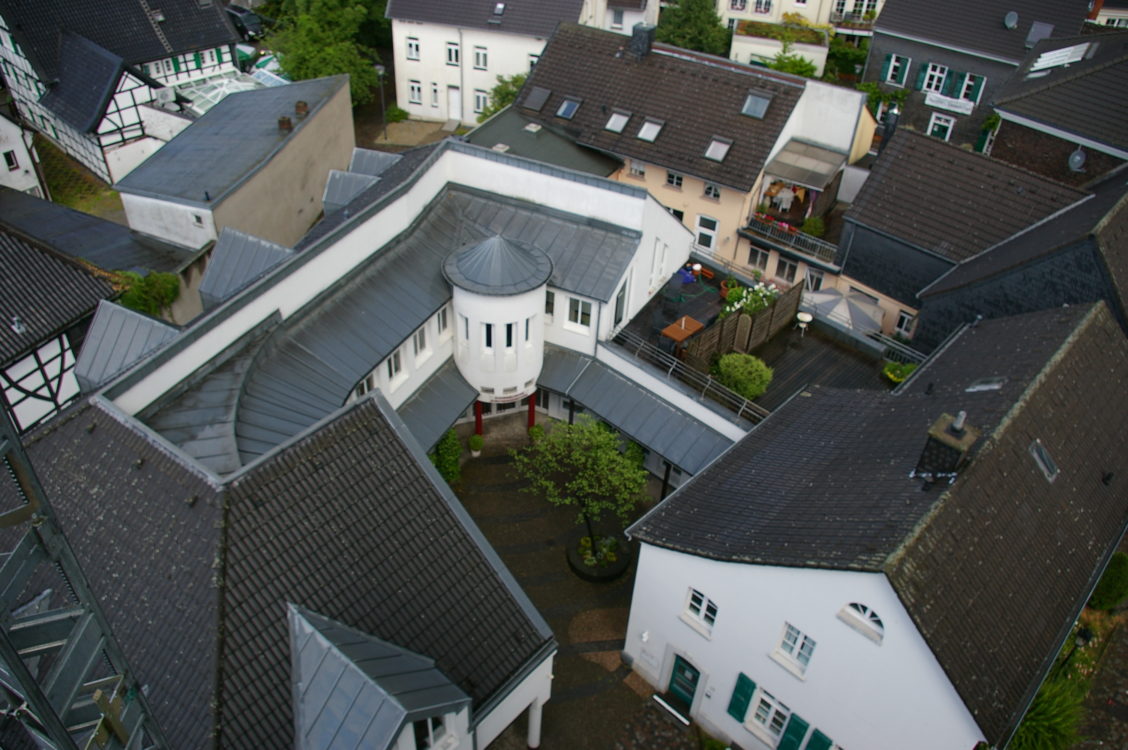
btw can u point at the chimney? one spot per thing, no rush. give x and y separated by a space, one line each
891 119
1095 9
642 39
946 448
285 124
301 108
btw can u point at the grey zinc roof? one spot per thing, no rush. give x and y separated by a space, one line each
372 163
432 409
636 412
352 690
498 267
88 77
231 141
117 339
342 187
977 26
237 260
106 244
523 137
526 17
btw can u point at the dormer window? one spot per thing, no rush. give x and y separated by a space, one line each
718 149
617 121
650 130
568 108
756 104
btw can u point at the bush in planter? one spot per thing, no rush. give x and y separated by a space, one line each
395 114
750 300
446 457
814 226
476 442
897 372
745 374
1113 586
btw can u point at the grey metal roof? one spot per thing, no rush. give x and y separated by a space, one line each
496 266
342 187
432 409
353 690
107 245
117 339
372 163
523 137
231 141
88 76
636 412
806 164
237 260
527 17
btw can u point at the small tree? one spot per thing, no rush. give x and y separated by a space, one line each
694 24
745 374
148 294
503 94
581 465
792 62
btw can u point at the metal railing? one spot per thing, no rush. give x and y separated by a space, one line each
896 351
702 384
857 19
820 250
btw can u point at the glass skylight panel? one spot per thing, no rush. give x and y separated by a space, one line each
650 130
537 98
756 104
617 122
718 149
1058 57
568 108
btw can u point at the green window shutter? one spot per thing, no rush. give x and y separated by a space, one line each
219 53
920 76
741 697
199 60
793 734
905 63
885 66
176 64
951 85
981 143
818 741
976 87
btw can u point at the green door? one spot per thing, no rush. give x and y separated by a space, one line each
683 682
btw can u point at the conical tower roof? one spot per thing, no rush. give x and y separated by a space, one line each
497 266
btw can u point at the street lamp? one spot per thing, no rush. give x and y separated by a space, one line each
380 71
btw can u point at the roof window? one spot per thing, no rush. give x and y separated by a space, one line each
499 9
985 384
650 130
568 108
718 149
1044 461
537 97
617 121
1058 57
756 104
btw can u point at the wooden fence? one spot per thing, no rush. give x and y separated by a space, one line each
743 333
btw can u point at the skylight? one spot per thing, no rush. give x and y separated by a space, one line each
537 97
985 384
499 9
568 108
1044 461
756 104
718 149
1058 57
617 121
650 130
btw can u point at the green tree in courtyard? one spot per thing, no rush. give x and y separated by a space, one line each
694 24
503 94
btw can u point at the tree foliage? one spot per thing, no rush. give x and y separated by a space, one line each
447 455
322 37
148 294
745 374
1053 718
1113 586
581 465
792 62
503 94
694 24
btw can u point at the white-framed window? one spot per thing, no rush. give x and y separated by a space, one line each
481 58
454 54
434 94
972 87
763 6
621 304
706 231
701 609
579 312
549 304
481 100
567 108
814 279
365 385
617 18
415 92
796 647
713 191
758 258
510 335
419 343
673 179
412 48
897 69
487 335
650 130
940 126
864 620
395 366
10 161
528 326
934 76
197 220
786 269
905 323
617 121
429 732
769 713
738 4
637 168
718 149
442 323
465 327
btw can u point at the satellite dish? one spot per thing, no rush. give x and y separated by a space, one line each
1010 20
1077 160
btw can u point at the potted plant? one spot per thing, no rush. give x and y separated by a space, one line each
728 285
897 372
475 443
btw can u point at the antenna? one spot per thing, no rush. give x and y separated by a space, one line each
1010 20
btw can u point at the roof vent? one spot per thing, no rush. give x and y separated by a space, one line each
1077 160
946 449
533 128
1010 20
501 148
18 325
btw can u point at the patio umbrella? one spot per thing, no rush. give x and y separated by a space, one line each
851 310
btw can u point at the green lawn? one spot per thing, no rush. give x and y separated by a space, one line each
73 185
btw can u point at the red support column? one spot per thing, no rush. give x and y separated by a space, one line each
477 417
532 410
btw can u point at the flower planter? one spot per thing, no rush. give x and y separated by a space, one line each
600 573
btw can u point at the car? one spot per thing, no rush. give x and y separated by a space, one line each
246 22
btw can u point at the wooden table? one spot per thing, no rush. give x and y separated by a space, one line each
682 328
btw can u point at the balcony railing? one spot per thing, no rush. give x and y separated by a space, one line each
820 250
852 19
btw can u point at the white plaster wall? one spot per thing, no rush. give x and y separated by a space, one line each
171 221
125 158
861 694
457 737
852 180
596 13
417 369
563 332
161 123
500 368
536 687
23 177
29 376
828 115
759 49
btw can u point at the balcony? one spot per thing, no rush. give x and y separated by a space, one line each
858 21
790 239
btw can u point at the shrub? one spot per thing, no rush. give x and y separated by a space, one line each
898 371
745 374
149 294
536 432
446 457
814 226
1113 586
476 442
395 114
635 453
750 300
1051 723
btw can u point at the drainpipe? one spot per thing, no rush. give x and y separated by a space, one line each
463 59
477 417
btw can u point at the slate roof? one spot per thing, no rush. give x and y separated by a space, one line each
526 17
1087 98
509 128
994 568
48 292
436 404
342 187
117 339
208 160
88 77
237 260
972 201
498 267
121 27
106 244
697 97
977 25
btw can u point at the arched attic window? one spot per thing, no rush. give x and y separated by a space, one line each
864 620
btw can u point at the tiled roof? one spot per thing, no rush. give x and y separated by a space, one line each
994 568
1087 98
88 77
695 97
526 17
949 201
122 27
977 25
47 292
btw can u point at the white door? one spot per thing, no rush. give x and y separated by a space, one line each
454 103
